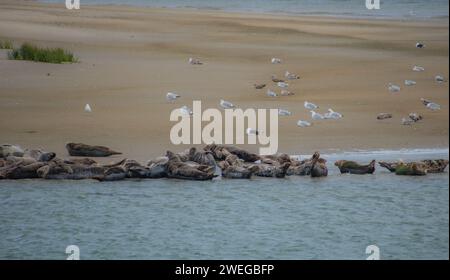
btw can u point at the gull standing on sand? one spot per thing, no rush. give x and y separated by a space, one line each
283 112
275 60
410 83
271 93
332 115
172 96
316 116
87 108
393 88
291 76
282 84
225 104
276 80
186 111
310 106
418 68
439 79
420 45
252 131
430 105
285 92
194 61
303 123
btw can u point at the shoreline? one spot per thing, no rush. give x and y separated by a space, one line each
131 57
274 13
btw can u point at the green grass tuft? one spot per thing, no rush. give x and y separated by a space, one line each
50 55
6 44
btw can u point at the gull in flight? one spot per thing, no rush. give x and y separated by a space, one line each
316 116
303 123
439 79
225 104
252 131
194 61
186 111
87 108
430 105
332 115
275 60
291 76
172 96
271 93
310 106
282 84
410 82
393 88
283 112
418 68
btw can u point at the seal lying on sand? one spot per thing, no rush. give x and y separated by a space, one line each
305 167
181 170
40 155
57 169
233 168
319 166
83 150
401 168
20 169
270 170
10 150
347 166
431 166
219 152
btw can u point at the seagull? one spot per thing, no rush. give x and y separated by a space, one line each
172 96
410 82
286 92
430 105
291 76
415 117
418 68
433 106
303 123
271 93
186 111
252 131
420 45
332 115
276 80
407 121
259 86
275 60
226 104
310 106
283 112
393 88
439 79
316 116
87 108
194 61
282 84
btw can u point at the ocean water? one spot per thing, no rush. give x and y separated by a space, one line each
335 217
348 8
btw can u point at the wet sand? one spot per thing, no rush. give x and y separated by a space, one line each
131 57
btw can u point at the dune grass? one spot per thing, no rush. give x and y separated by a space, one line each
34 53
6 44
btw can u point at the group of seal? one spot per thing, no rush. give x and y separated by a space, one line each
192 164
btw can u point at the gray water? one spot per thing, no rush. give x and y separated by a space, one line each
335 217
350 8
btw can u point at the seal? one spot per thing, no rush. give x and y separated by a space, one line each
352 167
83 150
